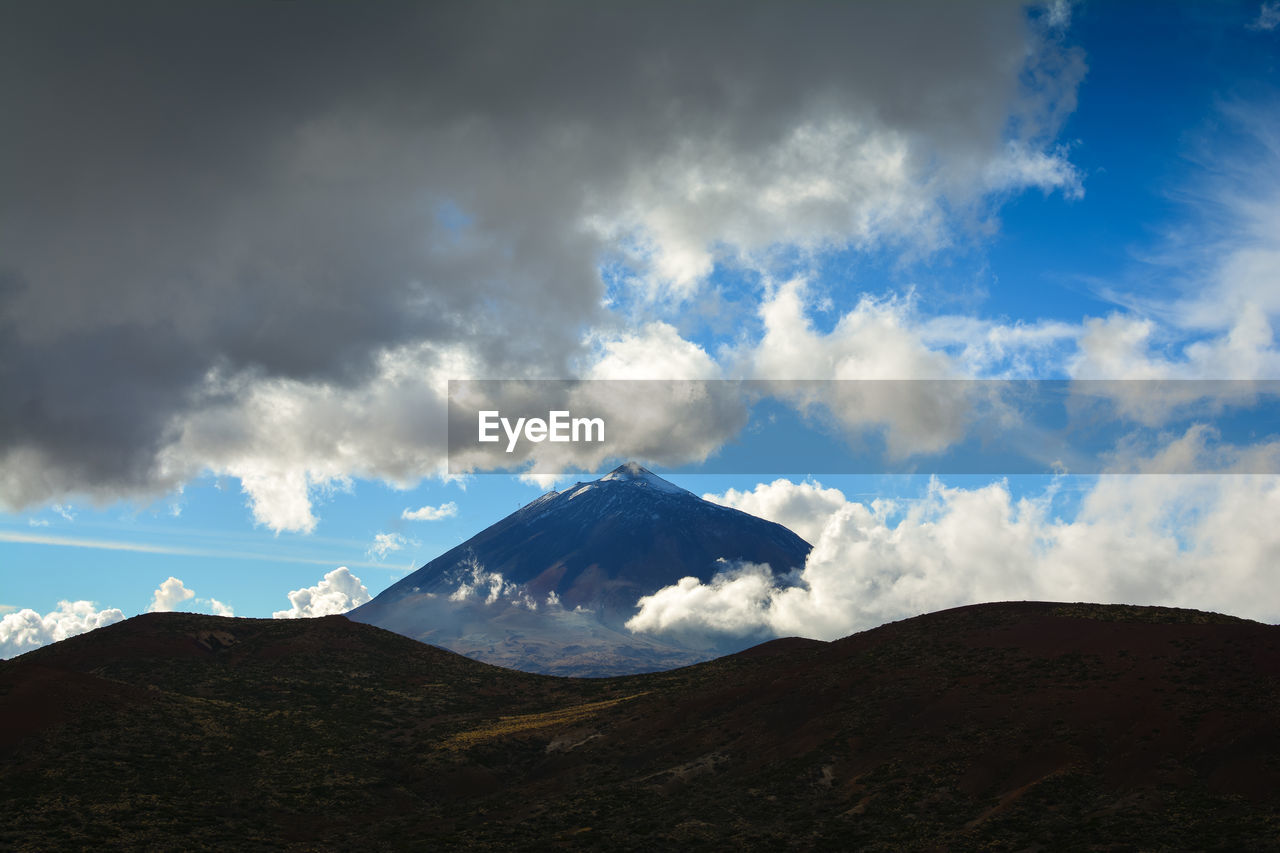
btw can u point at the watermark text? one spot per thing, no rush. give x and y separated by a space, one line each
559 426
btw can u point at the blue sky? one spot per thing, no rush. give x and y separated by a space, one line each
228 337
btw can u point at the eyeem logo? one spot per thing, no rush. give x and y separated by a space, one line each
559 426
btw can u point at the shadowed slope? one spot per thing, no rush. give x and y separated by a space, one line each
1000 726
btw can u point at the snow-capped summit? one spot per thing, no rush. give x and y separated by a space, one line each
566 571
634 472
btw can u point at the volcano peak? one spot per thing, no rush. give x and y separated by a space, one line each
634 472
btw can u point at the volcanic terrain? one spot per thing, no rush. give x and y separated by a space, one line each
993 727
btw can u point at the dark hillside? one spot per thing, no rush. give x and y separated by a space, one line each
995 727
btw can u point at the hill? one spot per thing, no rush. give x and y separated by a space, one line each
1003 726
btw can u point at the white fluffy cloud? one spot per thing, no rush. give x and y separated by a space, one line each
843 180
1123 346
1201 541
337 592
173 592
802 507
219 608
26 629
430 513
876 340
655 351
290 442
169 595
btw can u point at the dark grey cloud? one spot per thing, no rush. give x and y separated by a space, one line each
290 190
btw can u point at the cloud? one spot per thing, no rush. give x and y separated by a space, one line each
737 601
218 608
1197 541
1122 346
677 414
26 629
456 224
37 522
1215 314
685 419
168 596
1268 17
878 339
1023 166
337 592
342 217
150 548
431 513
173 592
1059 13
656 351
290 442
476 583
386 543
1199 449
802 507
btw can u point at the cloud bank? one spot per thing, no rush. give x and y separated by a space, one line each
1205 542
258 240
255 239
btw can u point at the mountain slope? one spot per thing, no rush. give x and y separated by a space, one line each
1008 726
549 587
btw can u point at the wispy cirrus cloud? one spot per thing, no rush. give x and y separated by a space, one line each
20 537
1268 17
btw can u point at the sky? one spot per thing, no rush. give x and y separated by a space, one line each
244 247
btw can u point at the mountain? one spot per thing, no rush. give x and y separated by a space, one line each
1010 726
549 588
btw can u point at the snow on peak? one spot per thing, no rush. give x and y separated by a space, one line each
633 472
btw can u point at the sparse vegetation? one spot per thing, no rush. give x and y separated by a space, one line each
1002 727
524 723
